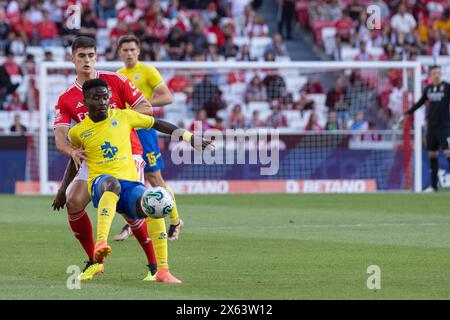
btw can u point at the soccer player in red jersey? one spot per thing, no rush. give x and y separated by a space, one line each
74 194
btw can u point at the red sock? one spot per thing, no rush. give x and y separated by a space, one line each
81 226
139 229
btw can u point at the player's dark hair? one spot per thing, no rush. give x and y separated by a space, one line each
83 42
129 38
435 66
93 83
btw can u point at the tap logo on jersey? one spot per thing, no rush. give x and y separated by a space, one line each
109 151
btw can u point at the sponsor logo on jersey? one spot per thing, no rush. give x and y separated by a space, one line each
109 151
79 105
81 116
58 116
86 134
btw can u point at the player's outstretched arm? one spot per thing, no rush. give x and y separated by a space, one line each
69 174
169 128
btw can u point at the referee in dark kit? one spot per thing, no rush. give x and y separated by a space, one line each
438 121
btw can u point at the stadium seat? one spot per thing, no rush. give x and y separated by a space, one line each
376 52
103 40
59 52
292 83
37 52
348 53
292 116
4 120
16 79
111 23
258 45
258 105
329 39
282 59
319 99
178 109
264 114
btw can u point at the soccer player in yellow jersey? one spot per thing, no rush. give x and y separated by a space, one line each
113 181
149 81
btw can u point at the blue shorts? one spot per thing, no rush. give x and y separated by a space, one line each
151 153
130 193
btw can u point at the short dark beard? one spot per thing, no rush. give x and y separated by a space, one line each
100 117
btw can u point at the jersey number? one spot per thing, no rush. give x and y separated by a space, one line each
151 158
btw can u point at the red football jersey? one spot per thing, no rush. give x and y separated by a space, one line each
70 103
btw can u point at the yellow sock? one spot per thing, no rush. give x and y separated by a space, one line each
157 231
105 214
173 216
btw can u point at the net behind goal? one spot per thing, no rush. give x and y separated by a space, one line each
343 141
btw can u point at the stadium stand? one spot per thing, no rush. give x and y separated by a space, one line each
211 31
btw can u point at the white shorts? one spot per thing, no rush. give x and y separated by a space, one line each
140 164
83 173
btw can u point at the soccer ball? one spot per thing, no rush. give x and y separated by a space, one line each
157 202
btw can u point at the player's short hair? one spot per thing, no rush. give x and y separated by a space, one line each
435 66
93 83
129 38
84 42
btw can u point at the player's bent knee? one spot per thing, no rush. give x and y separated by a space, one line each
433 154
111 184
77 197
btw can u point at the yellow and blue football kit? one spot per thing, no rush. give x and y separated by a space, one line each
107 148
147 79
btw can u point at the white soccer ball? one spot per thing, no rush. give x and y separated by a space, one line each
157 202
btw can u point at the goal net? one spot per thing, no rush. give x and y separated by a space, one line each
334 125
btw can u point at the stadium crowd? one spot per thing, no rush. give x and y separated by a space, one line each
218 30
405 28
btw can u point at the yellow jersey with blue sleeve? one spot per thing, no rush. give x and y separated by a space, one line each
145 78
107 143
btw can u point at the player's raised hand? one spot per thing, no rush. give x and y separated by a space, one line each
78 157
195 142
59 201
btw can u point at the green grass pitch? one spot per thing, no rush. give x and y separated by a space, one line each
245 247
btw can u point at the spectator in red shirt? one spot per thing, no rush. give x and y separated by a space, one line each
304 103
11 65
119 30
158 29
313 85
178 83
217 30
15 104
344 26
47 31
25 28
336 95
363 55
201 122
